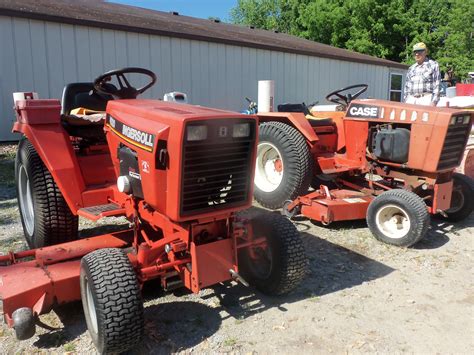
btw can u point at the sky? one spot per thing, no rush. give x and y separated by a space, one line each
194 8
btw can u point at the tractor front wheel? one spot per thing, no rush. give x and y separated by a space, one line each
462 198
111 299
398 217
284 167
277 264
45 215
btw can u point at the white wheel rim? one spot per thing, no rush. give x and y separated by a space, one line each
269 167
393 221
91 308
26 200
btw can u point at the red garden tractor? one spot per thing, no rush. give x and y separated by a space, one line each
179 173
391 163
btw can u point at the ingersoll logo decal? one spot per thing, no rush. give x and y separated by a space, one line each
134 136
365 111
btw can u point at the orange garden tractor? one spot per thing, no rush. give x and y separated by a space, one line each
179 173
388 162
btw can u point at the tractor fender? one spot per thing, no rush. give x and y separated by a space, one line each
295 119
55 150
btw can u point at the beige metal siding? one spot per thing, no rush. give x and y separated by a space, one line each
44 56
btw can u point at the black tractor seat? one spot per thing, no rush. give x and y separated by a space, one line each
83 95
320 122
293 108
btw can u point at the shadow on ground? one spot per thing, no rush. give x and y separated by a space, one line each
183 324
438 234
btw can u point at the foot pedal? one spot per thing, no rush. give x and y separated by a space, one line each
95 213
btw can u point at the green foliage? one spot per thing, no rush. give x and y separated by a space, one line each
382 28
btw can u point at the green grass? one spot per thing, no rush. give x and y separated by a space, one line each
230 342
70 347
7 166
7 173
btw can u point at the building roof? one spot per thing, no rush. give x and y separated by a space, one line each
135 19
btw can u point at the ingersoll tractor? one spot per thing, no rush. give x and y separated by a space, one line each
179 174
389 162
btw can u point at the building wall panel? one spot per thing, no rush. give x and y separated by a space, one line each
44 56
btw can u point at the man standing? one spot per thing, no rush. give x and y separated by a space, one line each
423 79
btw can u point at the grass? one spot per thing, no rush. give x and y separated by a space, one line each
7 171
230 342
70 347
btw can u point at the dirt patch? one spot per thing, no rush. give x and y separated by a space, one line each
360 296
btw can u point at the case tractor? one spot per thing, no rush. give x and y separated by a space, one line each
389 162
179 173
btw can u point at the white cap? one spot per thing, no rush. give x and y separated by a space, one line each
123 184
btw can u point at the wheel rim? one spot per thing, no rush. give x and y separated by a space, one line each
26 201
269 167
457 200
393 221
91 308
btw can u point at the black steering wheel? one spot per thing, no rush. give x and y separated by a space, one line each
126 91
338 98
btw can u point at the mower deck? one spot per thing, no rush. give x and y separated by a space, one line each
328 206
52 277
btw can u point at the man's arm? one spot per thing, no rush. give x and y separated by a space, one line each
436 84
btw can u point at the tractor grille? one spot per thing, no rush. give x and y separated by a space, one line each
216 171
453 147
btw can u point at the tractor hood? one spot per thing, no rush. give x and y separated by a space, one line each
184 161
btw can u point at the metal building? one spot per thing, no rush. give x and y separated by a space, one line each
46 44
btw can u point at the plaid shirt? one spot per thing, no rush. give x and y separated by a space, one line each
423 79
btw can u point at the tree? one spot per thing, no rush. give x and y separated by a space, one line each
382 28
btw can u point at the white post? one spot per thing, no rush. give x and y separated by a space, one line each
266 94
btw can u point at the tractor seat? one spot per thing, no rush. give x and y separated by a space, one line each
320 122
293 108
315 122
77 95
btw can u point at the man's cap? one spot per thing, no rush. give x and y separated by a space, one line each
419 47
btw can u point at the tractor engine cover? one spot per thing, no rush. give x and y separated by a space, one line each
392 145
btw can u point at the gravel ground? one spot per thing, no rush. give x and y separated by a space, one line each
360 296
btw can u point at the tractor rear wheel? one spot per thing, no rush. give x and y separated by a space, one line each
284 165
462 198
279 264
45 215
111 299
398 217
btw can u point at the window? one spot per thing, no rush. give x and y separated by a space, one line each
396 81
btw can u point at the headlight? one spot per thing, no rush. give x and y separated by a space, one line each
466 119
241 130
453 120
196 133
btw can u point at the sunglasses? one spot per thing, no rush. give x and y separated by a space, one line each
419 51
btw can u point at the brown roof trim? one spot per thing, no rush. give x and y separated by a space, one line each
124 18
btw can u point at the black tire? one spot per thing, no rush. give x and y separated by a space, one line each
462 198
297 164
285 255
45 215
290 214
24 323
319 180
401 205
117 303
